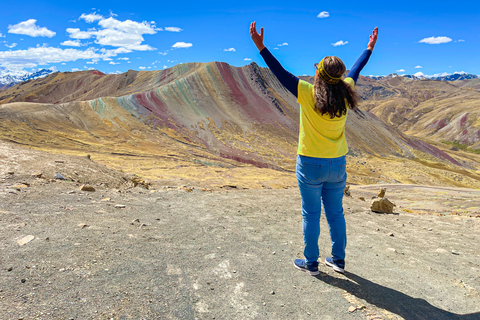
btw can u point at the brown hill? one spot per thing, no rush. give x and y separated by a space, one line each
214 123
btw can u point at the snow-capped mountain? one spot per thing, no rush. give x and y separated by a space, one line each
9 78
421 76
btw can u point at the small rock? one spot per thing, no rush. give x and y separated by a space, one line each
37 175
87 187
25 240
352 309
392 250
440 250
11 173
119 206
347 191
59 176
272 292
135 220
23 280
381 193
106 199
390 234
430 229
10 269
362 198
455 252
382 205
83 226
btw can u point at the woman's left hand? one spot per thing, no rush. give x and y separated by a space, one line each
373 39
257 38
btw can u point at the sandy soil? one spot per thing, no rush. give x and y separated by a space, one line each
183 253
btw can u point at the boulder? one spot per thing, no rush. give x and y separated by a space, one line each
382 205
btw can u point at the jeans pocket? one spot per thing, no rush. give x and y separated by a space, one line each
342 172
310 172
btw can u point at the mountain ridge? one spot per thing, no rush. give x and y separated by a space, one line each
202 120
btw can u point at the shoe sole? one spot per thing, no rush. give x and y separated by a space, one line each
335 268
312 273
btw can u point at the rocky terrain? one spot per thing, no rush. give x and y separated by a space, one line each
177 251
172 195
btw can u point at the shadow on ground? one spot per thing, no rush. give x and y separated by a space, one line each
392 300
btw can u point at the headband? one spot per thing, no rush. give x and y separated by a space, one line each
324 74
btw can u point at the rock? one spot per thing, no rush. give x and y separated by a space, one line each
455 252
440 250
381 193
37 175
106 199
392 250
59 177
382 205
135 220
347 191
25 240
137 181
187 189
352 309
362 198
87 187
83 226
391 234
11 173
119 206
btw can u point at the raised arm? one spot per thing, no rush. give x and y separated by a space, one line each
363 59
287 79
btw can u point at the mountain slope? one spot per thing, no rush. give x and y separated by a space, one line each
201 121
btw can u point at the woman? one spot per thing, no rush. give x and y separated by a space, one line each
321 165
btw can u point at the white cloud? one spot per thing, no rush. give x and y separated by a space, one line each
107 59
165 67
182 45
401 70
339 43
419 74
75 33
115 72
142 68
94 61
127 34
323 14
29 28
247 59
283 44
435 40
173 29
124 58
113 63
42 55
75 69
1 35
230 49
91 17
13 45
418 67
71 43
163 53
461 40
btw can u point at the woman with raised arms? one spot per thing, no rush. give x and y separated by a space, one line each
321 164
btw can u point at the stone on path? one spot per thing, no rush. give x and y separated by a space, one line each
25 240
119 206
381 193
87 187
382 205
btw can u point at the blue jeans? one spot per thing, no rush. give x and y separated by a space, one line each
322 180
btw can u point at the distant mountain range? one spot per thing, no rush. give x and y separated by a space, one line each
9 78
421 76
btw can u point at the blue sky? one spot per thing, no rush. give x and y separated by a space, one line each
115 36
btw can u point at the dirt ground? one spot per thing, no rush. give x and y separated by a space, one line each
191 253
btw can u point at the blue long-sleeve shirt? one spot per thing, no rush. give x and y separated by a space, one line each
290 81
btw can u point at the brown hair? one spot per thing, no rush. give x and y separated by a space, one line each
330 98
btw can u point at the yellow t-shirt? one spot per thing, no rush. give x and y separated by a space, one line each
320 136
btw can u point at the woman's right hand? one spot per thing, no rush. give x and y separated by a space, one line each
256 37
373 39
